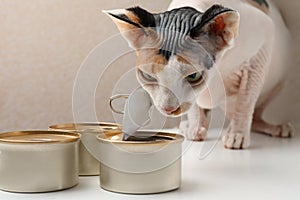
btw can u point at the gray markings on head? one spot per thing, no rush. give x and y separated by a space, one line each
174 27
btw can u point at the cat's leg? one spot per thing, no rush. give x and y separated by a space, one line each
196 126
261 126
238 132
282 130
251 82
253 73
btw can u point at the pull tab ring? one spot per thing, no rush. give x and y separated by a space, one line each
118 96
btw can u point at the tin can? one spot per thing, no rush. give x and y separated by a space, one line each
88 165
38 161
142 166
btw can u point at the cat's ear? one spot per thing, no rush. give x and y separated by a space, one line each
134 24
219 25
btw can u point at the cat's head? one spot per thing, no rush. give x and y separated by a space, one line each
176 50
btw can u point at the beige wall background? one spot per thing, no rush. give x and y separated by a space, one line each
43 43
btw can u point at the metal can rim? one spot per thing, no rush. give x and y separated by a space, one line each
38 137
71 127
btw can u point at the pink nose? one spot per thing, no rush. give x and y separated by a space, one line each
169 110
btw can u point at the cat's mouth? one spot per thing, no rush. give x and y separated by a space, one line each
180 110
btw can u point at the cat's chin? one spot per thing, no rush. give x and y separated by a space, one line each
174 115
171 115
181 110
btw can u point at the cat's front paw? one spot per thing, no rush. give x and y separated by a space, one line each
236 140
193 132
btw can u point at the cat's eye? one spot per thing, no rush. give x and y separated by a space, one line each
147 77
196 77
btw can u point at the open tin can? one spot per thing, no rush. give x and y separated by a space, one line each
88 165
145 166
38 161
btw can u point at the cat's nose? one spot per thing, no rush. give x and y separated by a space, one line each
169 110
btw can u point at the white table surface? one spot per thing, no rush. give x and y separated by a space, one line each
270 169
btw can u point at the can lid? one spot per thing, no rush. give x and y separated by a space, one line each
147 137
39 137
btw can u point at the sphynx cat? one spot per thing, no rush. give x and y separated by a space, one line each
199 55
